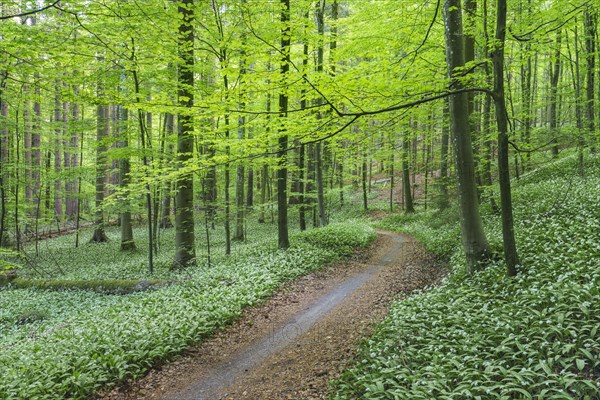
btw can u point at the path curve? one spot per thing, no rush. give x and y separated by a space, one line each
289 347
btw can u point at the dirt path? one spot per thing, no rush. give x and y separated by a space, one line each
293 344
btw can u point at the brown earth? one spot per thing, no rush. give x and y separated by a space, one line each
273 352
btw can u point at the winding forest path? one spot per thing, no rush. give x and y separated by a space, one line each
290 346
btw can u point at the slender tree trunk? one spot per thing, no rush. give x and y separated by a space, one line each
282 211
35 147
58 132
48 186
127 242
426 172
75 155
265 173
576 78
263 192
319 146
488 141
145 144
341 182
320 184
443 180
508 233
302 159
364 176
17 163
239 185
67 158
79 164
227 178
4 160
165 218
408 198
474 240
391 171
597 136
487 152
27 155
185 247
250 188
526 68
332 72
470 13
590 57
554 79
302 186
102 132
241 171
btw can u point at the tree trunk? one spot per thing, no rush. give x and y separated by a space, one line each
470 12
444 202
239 185
576 78
58 132
35 147
319 146
364 184
391 171
487 152
508 233
4 159
67 158
263 192
408 198
75 156
127 242
302 186
165 218
250 188
185 248
590 57
27 151
282 211
526 68
302 159
474 241
227 175
265 172
102 132
554 79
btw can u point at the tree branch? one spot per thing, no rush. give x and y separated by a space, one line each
30 12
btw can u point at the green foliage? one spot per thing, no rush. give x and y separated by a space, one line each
340 238
491 337
87 340
59 259
99 286
438 230
5 256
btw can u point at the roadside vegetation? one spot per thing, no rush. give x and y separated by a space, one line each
486 336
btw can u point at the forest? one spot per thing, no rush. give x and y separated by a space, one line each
167 166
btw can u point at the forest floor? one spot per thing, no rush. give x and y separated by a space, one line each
291 345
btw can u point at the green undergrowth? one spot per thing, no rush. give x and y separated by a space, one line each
122 286
68 344
536 336
58 258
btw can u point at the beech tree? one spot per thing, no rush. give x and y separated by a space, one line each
473 236
184 214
